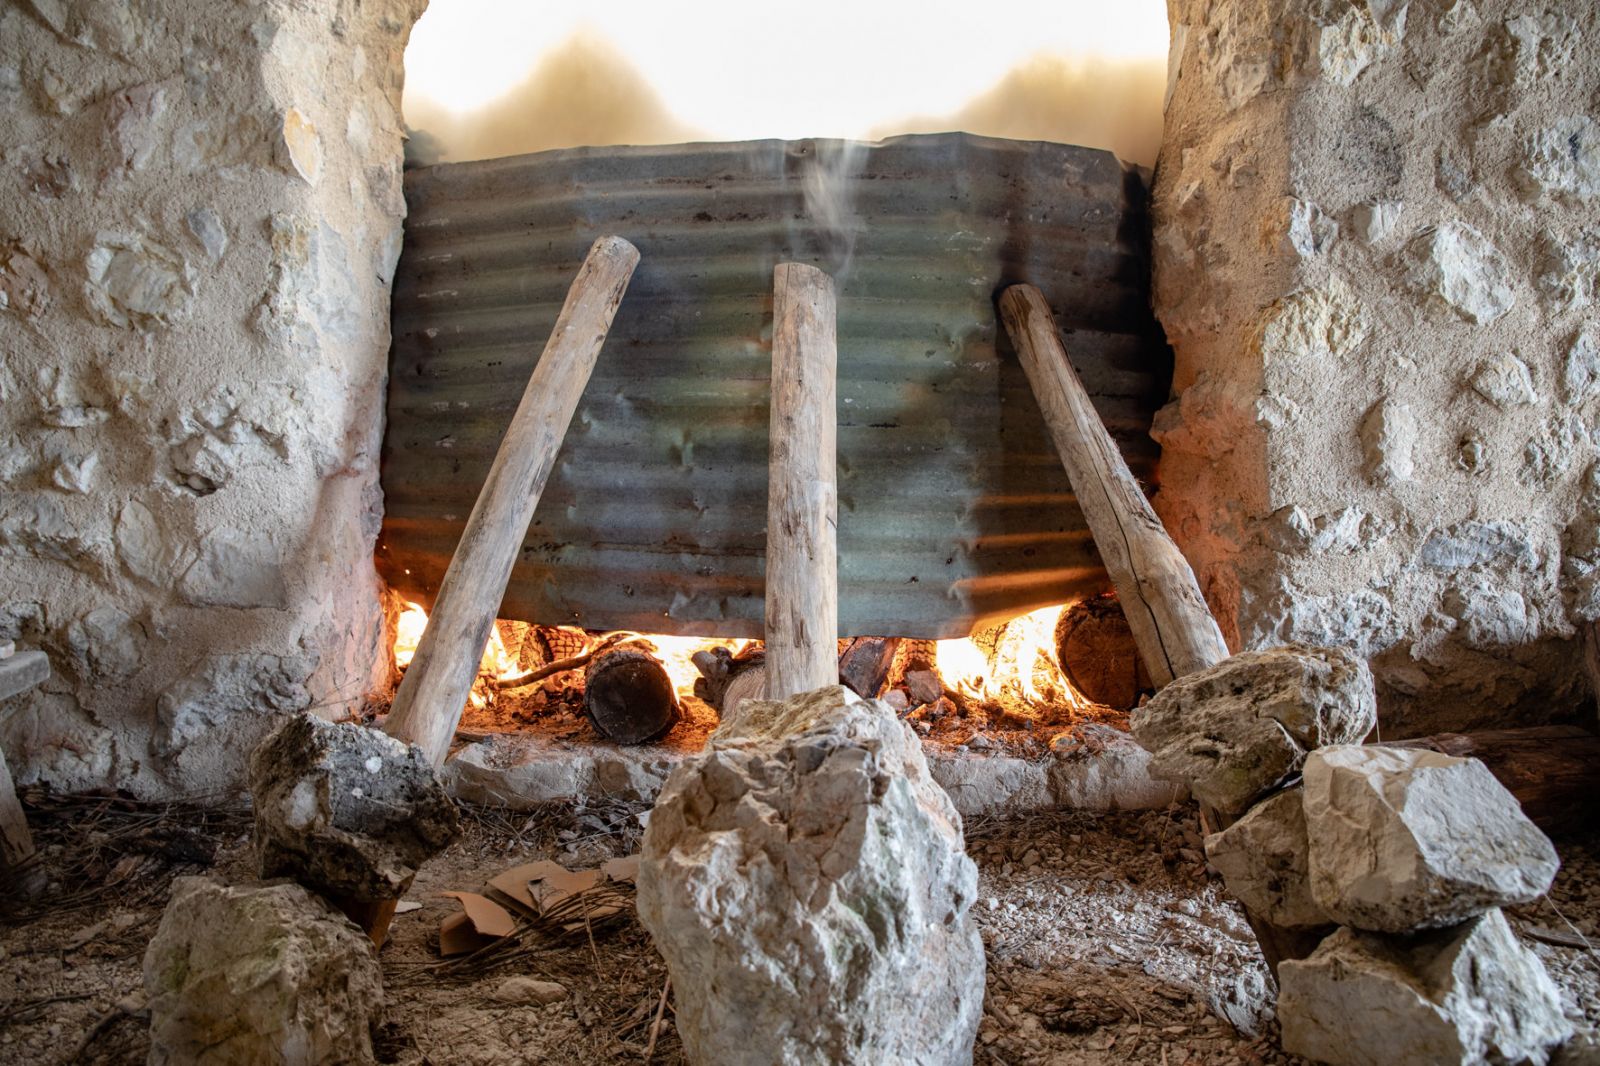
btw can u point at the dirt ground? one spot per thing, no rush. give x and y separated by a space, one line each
1106 943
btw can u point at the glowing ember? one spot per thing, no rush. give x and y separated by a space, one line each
677 656
1021 670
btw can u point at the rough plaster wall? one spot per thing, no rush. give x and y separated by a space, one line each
1377 240
200 211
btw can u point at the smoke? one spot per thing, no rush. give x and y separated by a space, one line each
583 93
1098 103
832 222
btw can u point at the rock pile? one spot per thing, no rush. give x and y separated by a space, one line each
806 880
1411 852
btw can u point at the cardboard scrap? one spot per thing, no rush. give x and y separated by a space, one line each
513 883
562 884
481 921
623 869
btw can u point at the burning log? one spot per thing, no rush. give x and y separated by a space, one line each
1098 655
628 695
429 702
802 593
864 666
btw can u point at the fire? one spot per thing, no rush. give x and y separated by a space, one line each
498 663
1021 670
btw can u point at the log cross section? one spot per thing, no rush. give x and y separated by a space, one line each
802 580
433 693
1171 623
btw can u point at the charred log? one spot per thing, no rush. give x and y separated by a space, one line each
628 696
1097 652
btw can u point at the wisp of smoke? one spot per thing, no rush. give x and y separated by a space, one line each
829 203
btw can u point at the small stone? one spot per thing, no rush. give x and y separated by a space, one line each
1504 381
259 974
897 700
301 148
1234 731
1263 860
135 283
1580 374
76 474
1474 543
1388 441
1467 994
806 881
1374 221
323 818
1562 161
1406 839
1307 230
529 992
923 686
1551 452
1458 266
208 230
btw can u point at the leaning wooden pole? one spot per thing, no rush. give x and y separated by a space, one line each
428 705
1172 626
1171 623
802 593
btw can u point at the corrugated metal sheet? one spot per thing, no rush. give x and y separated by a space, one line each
953 507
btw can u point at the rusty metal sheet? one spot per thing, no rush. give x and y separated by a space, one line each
953 507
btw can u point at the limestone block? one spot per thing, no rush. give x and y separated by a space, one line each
1375 220
1568 271
1458 266
209 231
1504 381
1263 860
1347 47
1490 616
105 644
806 881
259 975
1100 768
1363 621
24 283
1234 731
1307 230
76 473
1472 543
236 568
1388 441
1550 453
300 149
153 549
1580 371
1562 161
136 283
227 693
1405 839
346 810
1466 994
133 120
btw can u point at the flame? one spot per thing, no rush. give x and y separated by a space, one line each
498 663
677 656
1021 670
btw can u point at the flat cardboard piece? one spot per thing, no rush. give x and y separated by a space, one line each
513 883
457 937
488 918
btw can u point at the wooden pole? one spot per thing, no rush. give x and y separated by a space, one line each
802 593
429 702
1171 623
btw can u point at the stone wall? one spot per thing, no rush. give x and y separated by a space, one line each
200 212
1376 249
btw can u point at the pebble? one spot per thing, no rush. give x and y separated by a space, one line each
526 991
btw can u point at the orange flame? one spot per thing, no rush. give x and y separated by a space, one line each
1022 669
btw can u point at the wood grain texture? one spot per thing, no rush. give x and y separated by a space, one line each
802 579
628 695
429 702
1171 623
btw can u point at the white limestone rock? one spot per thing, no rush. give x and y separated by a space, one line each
105 644
1234 731
259 974
1550 452
1476 543
1263 860
1466 994
1406 839
1567 272
1457 265
1389 435
1504 380
1375 220
806 881
347 810
136 283
1562 161
1580 372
